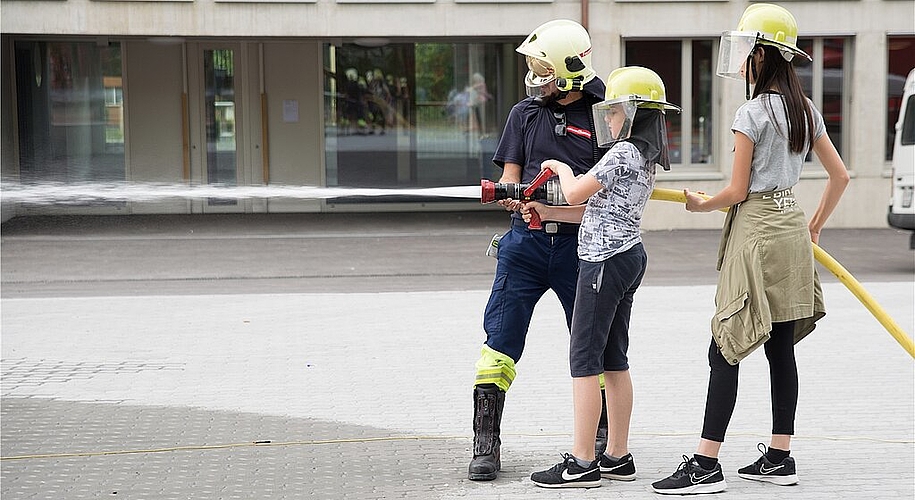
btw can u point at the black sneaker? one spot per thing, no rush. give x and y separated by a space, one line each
784 474
568 474
690 479
621 470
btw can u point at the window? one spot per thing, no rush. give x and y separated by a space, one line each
908 125
686 68
71 111
415 114
824 80
222 157
900 60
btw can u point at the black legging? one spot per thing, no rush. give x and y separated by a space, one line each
722 385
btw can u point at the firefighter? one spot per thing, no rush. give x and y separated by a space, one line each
553 121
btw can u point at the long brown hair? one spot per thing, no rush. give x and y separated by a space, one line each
777 73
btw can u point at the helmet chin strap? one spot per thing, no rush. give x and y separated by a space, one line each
751 67
746 74
565 85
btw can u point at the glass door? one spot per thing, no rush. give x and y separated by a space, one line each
216 125
219 110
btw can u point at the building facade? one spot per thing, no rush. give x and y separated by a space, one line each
405 95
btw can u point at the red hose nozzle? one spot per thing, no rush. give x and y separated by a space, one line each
538 181
542 188
487 191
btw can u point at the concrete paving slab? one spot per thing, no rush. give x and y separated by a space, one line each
154 357
140 373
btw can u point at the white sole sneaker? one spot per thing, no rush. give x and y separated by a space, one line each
695 489
779 480
577 484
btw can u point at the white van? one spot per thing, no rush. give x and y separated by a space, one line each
901 213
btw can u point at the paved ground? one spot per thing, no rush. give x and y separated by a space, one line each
331 356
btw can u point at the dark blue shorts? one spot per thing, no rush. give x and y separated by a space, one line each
600 319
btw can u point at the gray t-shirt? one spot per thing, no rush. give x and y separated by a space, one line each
613 215
774 166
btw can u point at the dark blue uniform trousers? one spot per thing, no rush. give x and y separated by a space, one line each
529 264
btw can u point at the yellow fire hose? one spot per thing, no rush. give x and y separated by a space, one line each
835 268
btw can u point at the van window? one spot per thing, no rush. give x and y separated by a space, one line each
908 123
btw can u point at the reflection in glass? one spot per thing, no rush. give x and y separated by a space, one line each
804 67
664 58
702 124
219 103
833 88
830 97
403 114
70 111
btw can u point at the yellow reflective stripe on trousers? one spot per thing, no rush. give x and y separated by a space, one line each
493 367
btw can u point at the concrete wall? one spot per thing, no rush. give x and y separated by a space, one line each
293 75
154 140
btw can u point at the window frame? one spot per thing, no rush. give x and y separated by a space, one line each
686 169
812 167
717 168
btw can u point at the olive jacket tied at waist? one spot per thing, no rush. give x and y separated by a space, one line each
766 274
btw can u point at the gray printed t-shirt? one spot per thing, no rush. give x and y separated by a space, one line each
774 166
613 215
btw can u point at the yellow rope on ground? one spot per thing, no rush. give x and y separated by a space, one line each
228 445
316 442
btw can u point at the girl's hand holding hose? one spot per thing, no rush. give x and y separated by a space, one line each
695 201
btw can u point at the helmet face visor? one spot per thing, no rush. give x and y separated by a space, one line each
535 89
539 77
733 51
613 120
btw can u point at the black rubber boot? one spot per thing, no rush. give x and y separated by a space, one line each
600 443
488 401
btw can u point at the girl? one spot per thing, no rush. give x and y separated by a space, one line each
768 293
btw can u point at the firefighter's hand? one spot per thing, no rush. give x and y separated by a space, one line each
535 205
510 204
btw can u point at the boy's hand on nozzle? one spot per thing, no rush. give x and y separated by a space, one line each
555 165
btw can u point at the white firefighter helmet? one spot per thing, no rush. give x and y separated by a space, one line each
628 89
557 51
761 23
